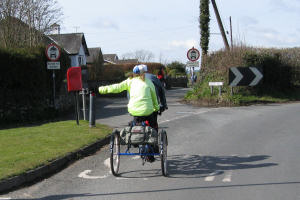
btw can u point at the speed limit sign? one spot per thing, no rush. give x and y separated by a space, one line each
193 54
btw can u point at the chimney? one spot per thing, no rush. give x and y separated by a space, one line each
55 28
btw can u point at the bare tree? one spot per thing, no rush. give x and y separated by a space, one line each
24 22
141 55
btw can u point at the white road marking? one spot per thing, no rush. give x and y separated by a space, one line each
185 112
211 176
227 177
6 198
183 116
121 178
107 163
85 175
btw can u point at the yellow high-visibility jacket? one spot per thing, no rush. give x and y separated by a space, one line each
143 100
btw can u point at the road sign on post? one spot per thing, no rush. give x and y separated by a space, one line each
193 54
53 65
192 64
245 76
53 52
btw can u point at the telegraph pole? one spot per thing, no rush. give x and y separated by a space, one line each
231 32
220 24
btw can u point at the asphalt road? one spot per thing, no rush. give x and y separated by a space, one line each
214 153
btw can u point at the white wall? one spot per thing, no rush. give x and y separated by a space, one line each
74 58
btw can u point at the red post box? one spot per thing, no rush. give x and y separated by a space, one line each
74 79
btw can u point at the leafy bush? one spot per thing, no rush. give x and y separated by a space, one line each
281 69
175 68
120 71
26 84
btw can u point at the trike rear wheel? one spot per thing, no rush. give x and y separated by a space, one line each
115 153
164 152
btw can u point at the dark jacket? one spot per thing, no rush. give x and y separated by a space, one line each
160 92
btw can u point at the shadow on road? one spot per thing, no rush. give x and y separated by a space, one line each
195 166
106 108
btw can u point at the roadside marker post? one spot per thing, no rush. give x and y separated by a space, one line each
213 84
92 109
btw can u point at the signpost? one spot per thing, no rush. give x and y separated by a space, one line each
53 65
193 54
53 54
192 64
245 76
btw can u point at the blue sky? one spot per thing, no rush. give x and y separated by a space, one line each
168 28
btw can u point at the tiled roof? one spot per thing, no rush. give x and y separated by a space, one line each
127 61
71 42
110 57
94 52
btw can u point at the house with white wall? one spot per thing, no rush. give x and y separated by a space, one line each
75 46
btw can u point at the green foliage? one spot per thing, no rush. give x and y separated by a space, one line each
26 84
175 68
277 75
26 148
204 25
281 67
121 71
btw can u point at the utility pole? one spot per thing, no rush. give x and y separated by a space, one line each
231 32
220 25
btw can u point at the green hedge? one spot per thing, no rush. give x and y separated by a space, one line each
26 84
277 74
281 71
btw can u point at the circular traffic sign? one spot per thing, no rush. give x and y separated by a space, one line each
53 52
193 54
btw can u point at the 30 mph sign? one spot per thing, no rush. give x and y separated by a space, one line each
193 54
53 52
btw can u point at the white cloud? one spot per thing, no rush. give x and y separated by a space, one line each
248 21
183 43
105 24
285 5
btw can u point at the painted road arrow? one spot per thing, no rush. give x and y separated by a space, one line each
245 76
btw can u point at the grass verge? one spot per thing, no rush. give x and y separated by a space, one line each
201 94
25 148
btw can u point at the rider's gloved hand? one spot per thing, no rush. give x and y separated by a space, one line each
102 90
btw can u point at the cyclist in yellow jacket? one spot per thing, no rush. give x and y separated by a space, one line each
143 101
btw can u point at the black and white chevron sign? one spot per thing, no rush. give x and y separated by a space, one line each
245 76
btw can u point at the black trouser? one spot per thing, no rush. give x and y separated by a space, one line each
152 119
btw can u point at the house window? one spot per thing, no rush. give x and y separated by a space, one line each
80 60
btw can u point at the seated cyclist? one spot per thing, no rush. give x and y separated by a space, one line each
142 103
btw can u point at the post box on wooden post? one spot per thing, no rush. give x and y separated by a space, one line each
75 85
